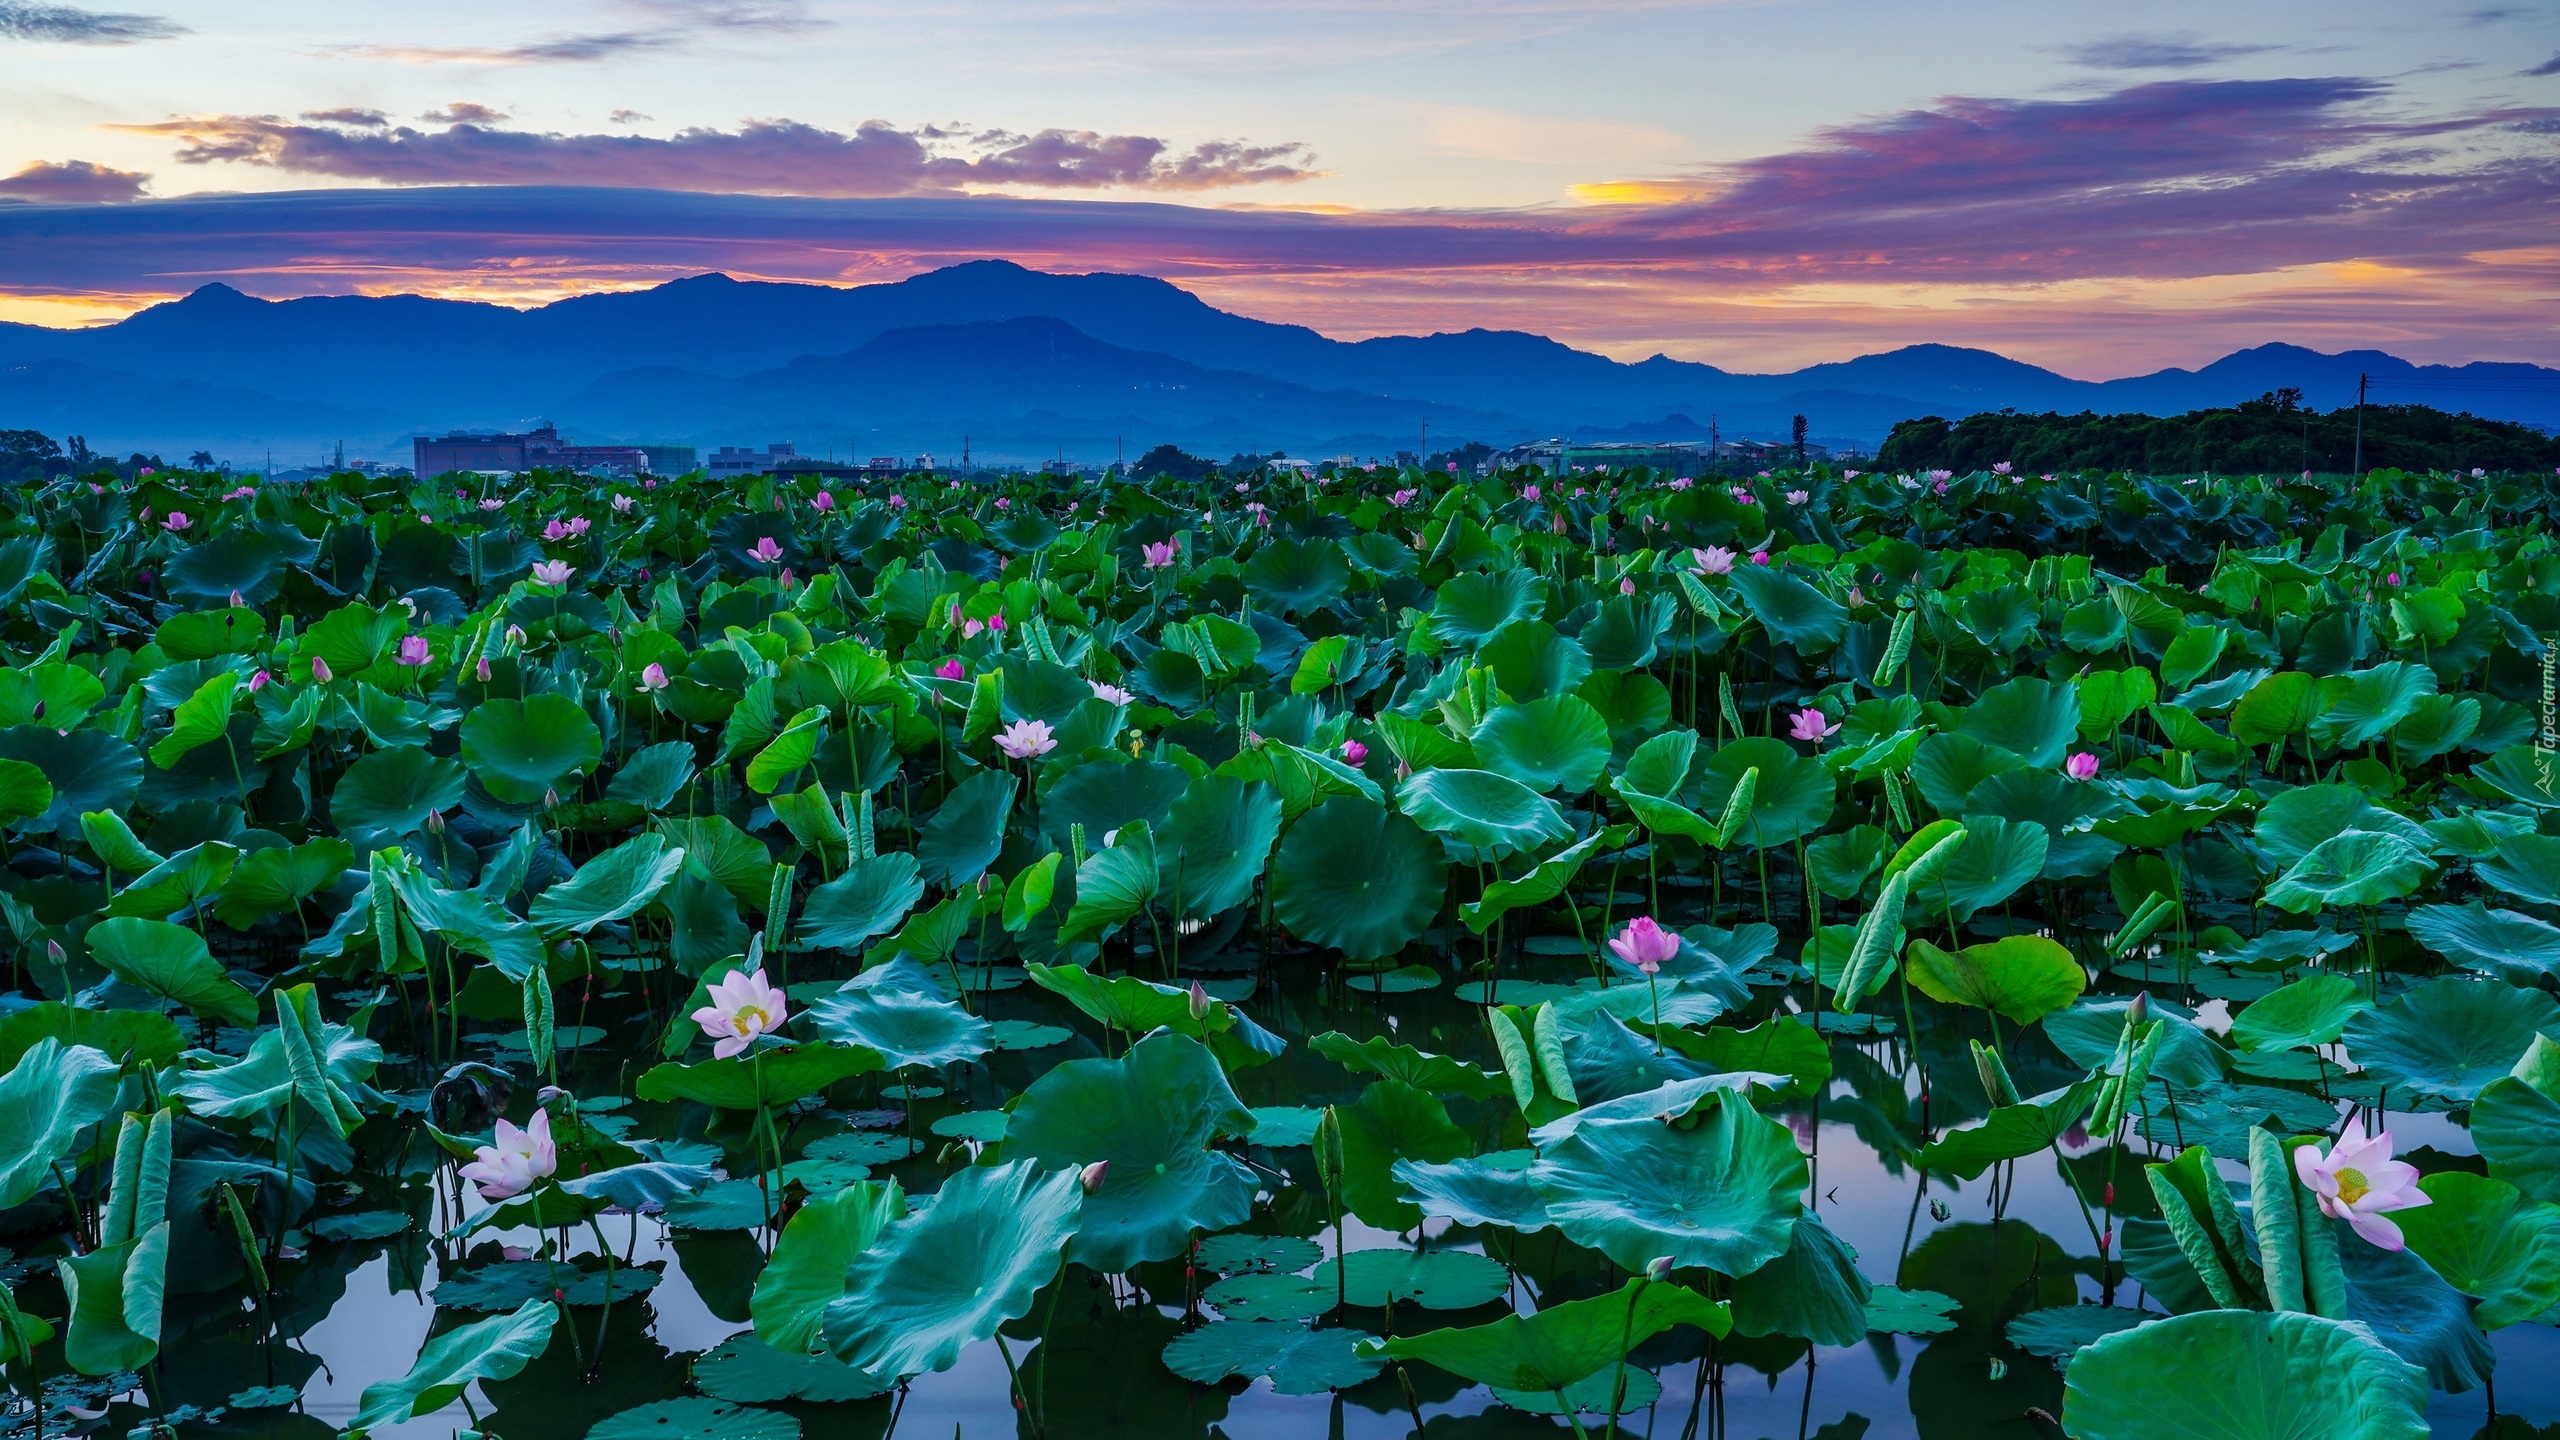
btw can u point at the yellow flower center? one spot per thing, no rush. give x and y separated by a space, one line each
748 1013
2352 1186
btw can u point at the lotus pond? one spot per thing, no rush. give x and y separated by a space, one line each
1358 955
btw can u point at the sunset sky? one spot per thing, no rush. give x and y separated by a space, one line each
2101 189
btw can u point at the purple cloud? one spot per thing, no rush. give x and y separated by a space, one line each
2184 50
73 182
783 157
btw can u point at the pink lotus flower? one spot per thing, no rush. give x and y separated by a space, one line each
2358 1180
1159 556
897 502
742 1007
1025 739
822 501
1003 504
414 651
493 503
1354 753
1681 482
766 552
555 531
553 572
1809 725
2002 468
1942 476
622 504
1529 492
951 669
1112 693
971 629
1714 560
1627 586
480 671
1798 497
320 670
518 1159
177 521
2392 579
2083 766
1645 945
995 622
1759 557
653 676
1401 498
259 681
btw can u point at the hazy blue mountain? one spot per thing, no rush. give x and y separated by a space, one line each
712 360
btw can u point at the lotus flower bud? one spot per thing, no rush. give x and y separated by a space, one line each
236 601
2139 1012
481 670
320 670
1092 1176
550 799
1199 1002
54 952
435 822
1658 1269
1329 1150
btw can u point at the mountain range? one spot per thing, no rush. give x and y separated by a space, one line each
1024 364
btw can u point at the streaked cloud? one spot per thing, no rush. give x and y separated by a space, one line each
73 182
2547 67
556 48
68 24
2184 50
780 157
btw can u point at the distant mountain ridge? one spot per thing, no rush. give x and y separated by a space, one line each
919 363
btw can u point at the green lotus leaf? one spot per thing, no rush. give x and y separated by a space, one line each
1791 610
775 1076
1266 1296
190 877
171 962
2356 868
1543 883
1115 884
1813 1291
745 1368
2526 865
1436 1074
1297 575
2282 704
2516 1122
2509 944
2313 1010
1216 839
1361 878
506 1284
492 1349
521 749
2010 1132
67 694
1558 743
963 837
942 1279
2033 719
1151 1114
2087 1034
1996 859
276 881
246 563
2063 1331
1530 660
897 1010
319 1063
388 793
1721 1193
90 770
865 902
1432 1279
1473 608
1482 810
1892 1310
1792 798
143 1035
2519 771
2491 1242
2450 1037
1948 768
1485 1190
2361 707
49 1096
1237 1254
806 1273
1562 1343
612 886
1299 1360
653 775
694 1418
2246 1375
1392 1122
24 792
2294 823
1780 1045
2024 977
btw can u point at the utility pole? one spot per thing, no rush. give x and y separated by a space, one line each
2361 381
